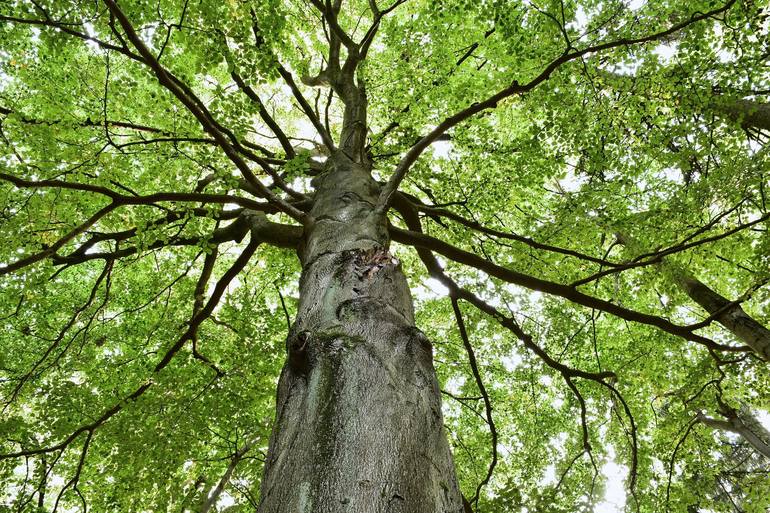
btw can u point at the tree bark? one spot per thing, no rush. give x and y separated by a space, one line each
358 424
748 112
732 317
744 424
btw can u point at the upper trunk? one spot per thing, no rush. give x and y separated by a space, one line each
358 425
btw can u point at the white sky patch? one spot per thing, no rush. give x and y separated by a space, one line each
754 146
558 442
301 184
5 79
635 5
91 31
666 51
148 34
726 56
77 378
454 384
224 501
549 476
581 20
437 287
430 288
615 491
764 418
672 174
306 130
442 149
627 68
571 182
512 361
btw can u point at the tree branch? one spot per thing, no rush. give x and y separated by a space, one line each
483 391
556 289
411 156
196 107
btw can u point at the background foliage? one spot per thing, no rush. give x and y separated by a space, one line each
619 153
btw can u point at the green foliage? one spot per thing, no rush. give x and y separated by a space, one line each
619 153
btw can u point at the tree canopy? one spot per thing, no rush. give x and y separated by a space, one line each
576 191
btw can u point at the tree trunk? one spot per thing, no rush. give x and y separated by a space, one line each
748 112
358 424
732 317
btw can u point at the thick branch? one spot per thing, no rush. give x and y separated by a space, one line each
121 199
306 108
266 117
729 315
50 250
556 289
195 106
736 425
212 498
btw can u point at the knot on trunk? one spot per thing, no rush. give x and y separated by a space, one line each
420 341
297 346
369 261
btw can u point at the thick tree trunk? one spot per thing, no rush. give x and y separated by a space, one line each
358 424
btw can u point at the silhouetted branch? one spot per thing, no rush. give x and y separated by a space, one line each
483 390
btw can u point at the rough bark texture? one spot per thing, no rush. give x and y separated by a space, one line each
358 424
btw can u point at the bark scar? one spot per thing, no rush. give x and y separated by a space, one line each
396 496
372 260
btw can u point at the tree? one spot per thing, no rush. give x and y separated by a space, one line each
218 218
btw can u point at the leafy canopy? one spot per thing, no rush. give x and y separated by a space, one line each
602 150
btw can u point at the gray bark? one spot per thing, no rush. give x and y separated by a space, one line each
733 317
744 424
358 424
747 112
